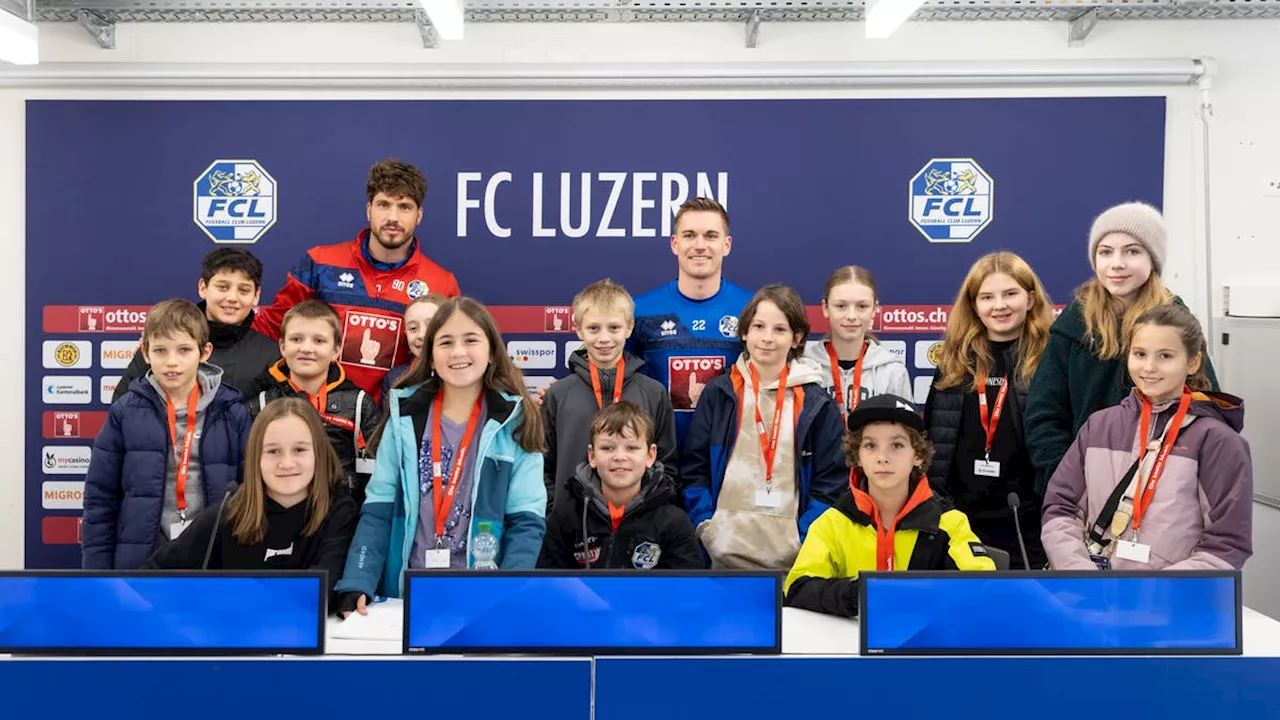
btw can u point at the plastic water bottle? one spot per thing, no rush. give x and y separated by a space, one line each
484 546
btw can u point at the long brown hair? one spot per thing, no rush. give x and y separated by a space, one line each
857 275
1188 327
1099 310
501 374
246 510
965 350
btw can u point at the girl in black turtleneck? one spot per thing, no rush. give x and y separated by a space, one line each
285 515
997 331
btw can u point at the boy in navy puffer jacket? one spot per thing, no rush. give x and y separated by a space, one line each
171 446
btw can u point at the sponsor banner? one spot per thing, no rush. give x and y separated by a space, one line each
532 354
107 388
921 387
897 348
927 354
94 318
570 348
689 377
72 424
67 354
117 354
62 495
66 390
534 383
370 339
60 530
65 459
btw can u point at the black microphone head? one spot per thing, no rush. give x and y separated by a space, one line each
1013 500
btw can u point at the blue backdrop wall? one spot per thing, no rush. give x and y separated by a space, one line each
528 201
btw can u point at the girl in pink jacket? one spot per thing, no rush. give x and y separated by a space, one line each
1164 479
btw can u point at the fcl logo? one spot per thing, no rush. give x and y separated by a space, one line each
952 200
235 201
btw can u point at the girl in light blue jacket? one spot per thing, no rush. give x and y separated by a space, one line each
457 482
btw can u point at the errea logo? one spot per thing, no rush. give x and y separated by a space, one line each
347 280
668 328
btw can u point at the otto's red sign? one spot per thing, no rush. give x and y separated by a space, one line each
72 424
95 318
689 377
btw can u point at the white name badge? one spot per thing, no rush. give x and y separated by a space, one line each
986 468
437 559
1137 552
364 465
175 529
766 499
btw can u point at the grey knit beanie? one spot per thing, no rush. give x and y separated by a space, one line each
1138 220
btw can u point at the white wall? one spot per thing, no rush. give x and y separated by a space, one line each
1245 95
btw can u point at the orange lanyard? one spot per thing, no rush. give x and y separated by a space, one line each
1170 436
184 455
855 390
617 382
444 500
989 424
769 440
319 401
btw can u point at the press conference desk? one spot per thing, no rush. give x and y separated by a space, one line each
803 633
819 675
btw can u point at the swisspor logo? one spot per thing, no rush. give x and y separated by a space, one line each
688 377
370 340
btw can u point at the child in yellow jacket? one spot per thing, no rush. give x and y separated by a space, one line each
888 520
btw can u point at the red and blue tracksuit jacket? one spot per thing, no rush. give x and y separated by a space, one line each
369 296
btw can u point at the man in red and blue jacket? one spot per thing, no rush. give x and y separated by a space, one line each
369 280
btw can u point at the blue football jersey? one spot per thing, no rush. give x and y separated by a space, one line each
685 343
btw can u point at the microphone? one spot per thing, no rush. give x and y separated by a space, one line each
213 534
1014 504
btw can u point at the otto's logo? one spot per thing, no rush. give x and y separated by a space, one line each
91 319
558 319
235 201
112 319
688 377
370 340
952 200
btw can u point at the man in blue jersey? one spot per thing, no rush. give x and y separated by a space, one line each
687 330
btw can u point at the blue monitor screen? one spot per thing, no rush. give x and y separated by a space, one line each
633 613
1050 613
72 613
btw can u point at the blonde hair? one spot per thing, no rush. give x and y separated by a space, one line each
246 510
175 317
313 310
429 299
1099 310
965 350
604 295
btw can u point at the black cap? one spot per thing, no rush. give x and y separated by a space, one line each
886 408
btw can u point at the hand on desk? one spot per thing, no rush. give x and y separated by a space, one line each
361 604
